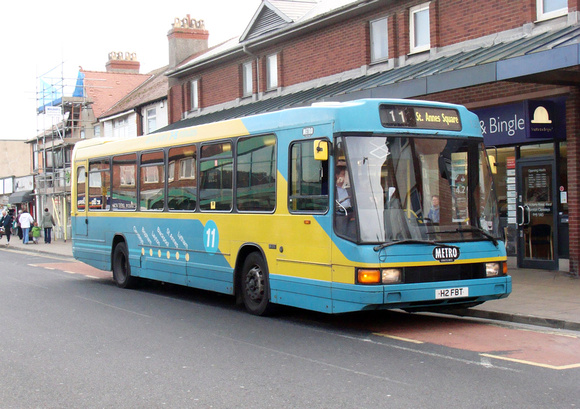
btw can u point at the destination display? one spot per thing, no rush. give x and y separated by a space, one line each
404 116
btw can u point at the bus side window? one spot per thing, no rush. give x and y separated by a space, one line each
308 185
181 178
99 185
124 193
81 178
256 174
216 176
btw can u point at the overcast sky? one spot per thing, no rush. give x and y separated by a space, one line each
38 37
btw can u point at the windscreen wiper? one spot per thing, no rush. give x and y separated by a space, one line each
469 230
410 241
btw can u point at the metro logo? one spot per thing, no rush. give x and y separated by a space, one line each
446 254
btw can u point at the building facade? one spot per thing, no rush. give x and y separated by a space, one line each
515 63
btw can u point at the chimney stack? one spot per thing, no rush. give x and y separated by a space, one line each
186 38
123 62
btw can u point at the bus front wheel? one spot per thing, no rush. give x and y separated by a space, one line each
121 267
255 288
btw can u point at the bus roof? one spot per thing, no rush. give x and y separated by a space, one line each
358 115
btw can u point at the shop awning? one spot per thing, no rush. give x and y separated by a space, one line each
26 196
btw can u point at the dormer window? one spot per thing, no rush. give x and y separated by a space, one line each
420 34
547 9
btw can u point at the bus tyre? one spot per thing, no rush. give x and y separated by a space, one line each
255 287
121 267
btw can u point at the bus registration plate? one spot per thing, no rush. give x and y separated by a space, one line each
451 293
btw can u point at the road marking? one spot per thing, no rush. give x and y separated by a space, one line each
522 361
413 341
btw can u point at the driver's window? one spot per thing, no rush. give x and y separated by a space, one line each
344 213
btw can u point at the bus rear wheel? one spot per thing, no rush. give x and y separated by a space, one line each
121 267
255 286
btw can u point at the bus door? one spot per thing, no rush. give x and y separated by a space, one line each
304 251
536 214
80 207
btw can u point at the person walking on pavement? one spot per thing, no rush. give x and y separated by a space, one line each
6 222
18 226
47 224
35 233
26 221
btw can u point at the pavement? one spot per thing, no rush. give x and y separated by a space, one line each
539 297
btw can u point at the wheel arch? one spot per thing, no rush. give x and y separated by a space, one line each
245 250
119 238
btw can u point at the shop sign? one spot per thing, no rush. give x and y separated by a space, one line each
24 183
526 121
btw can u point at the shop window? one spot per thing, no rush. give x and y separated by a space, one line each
420 34
379 40
547 9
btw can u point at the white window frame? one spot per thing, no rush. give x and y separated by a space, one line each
376 36
272 71
412 12
151 116
187 168
247 79
540 15
194 97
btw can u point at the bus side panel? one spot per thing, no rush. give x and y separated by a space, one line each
303 293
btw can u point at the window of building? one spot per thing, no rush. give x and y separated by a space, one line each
121 127
379 40
152 188
151 120
547 9
256 174
99 185
420 34
247 79
272 71
308 185
124 194
182 187
97 130
216 175
194 97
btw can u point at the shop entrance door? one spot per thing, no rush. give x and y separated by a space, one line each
536 214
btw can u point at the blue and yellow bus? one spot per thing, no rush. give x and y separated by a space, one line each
337 207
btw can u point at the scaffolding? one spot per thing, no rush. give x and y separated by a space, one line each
62 116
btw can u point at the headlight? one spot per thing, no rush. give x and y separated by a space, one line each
391 275
493 269
377 276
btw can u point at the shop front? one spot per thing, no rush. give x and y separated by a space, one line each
527 143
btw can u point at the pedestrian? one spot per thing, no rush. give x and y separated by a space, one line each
35 233
26 221
19 227
47 223
6 222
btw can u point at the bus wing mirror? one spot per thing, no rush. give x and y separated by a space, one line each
321 149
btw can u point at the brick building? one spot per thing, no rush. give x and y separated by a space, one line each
514 63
